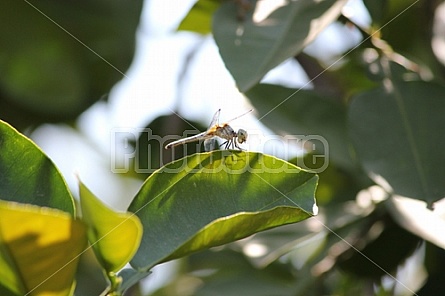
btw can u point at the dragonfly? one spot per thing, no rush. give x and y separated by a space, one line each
224 131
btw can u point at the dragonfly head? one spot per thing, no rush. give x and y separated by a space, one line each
241 135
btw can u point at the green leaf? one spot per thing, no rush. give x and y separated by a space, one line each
39 250
131 277
114 236
253 47
397 133
199 18
304 112
27 175
210 199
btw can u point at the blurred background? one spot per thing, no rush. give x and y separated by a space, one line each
76 72
84 78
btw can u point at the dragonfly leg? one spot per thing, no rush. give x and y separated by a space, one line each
225 143
231 144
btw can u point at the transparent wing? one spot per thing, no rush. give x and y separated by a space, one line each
215 119
211 144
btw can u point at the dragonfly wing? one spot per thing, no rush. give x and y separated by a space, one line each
211 144
215 119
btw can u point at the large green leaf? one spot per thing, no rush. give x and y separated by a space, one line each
27 175
397 133
114 236
304 112
209 199
253 47
39 250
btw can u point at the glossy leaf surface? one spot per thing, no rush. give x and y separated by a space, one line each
27 175
210 199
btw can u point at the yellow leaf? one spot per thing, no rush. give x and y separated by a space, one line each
114 236
39 250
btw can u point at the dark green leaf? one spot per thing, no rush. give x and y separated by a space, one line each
59 57
383 253
304 112
253 47
214 198
27 175
397 133
131 277
377 9
234 275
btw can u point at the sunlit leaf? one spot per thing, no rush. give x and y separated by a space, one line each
263 44
114 236
199 18
210 199
414 216
39 250
27 175
397 133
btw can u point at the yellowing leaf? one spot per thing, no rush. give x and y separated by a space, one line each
199 18
39 250
114 236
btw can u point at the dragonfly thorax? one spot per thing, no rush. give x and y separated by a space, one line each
225 132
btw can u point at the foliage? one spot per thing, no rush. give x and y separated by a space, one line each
215 198
40 248
380 112
54 65
379 106
265 192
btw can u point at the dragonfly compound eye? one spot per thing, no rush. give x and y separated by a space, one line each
242 136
